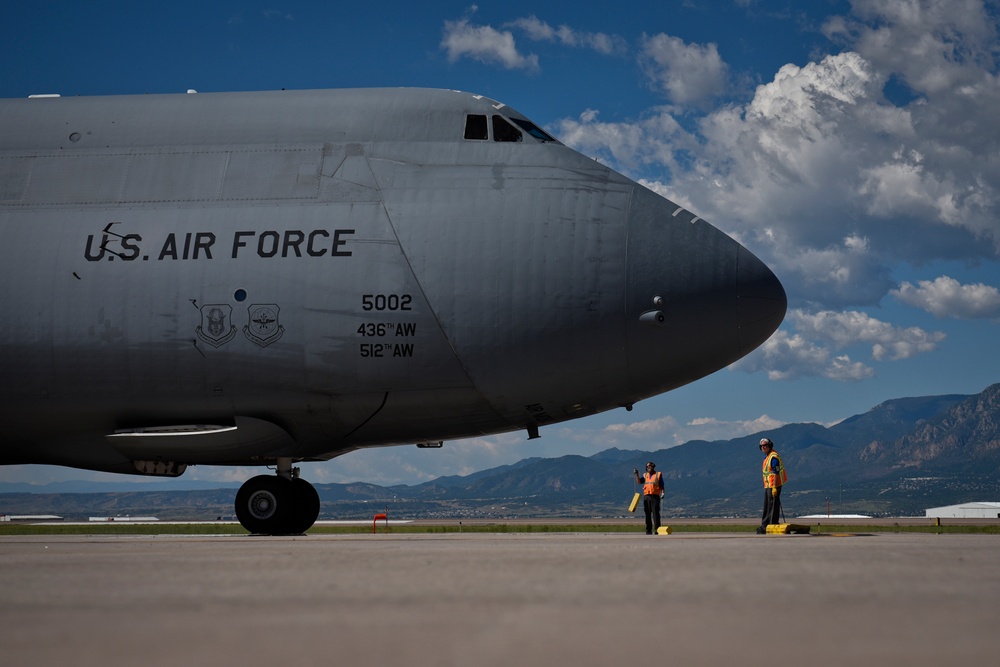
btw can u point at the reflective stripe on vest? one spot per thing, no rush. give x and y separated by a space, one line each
772 478
653 485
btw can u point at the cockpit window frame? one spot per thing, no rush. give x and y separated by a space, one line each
532 129
473 128
504 131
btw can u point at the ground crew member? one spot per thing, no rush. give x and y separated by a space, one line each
774 478
652 493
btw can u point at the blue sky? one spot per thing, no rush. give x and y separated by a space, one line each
851 145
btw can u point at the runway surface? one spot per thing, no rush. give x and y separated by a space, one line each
503 600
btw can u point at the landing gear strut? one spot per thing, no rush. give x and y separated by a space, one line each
281 504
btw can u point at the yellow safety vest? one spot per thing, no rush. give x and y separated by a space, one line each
771 478
653 485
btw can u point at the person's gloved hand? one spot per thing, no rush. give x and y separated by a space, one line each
774 491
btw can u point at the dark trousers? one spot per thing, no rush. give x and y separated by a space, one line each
651 505
772 509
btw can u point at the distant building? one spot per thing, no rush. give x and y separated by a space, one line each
966 511
30 518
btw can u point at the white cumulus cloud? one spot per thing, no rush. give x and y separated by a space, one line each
843 329
945 297
653 140
819 348
690 74
710 428
485 44
665 432
786 356
539 30
642 429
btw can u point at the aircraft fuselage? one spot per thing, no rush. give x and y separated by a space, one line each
250 277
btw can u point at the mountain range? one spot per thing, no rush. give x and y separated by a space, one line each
898 459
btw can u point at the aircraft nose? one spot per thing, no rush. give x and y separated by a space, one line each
760 301
696 299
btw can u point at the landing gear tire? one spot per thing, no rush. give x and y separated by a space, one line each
264 503
306 506
273 505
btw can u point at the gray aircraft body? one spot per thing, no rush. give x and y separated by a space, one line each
276 277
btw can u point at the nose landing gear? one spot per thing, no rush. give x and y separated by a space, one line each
281 504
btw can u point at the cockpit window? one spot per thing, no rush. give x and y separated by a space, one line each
475 127
533 130
504 131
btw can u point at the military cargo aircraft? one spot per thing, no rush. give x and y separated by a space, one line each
266 278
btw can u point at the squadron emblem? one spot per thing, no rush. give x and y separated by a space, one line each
263 328
216 324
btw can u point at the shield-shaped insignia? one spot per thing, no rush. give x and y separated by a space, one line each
263 328
216 324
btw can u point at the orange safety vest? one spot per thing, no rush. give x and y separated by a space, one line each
653 485
772 478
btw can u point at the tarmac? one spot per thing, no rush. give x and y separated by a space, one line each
501 599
